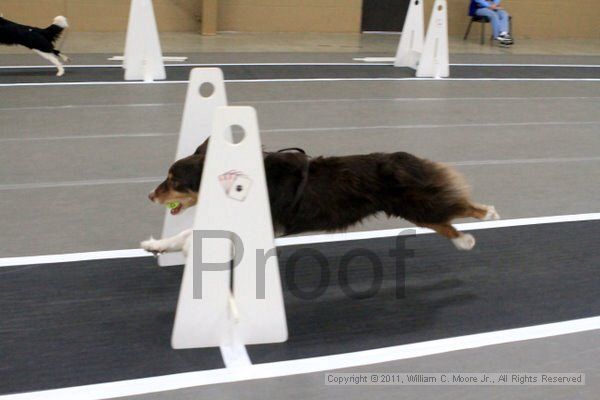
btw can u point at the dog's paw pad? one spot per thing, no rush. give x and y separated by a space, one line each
491 214
465 241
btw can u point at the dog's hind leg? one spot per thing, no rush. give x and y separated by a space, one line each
54 60
62 56
462 241
482 212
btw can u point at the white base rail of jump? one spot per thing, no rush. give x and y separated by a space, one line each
428 55
143 58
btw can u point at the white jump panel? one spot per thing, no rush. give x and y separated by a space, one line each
434 61
411 42
235 202
205 92
143 55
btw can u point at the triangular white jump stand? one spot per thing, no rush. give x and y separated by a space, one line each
234 199
434 61
411 42
205 92
429 57
143 55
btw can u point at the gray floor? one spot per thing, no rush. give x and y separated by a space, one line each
85 316
76 163
568 354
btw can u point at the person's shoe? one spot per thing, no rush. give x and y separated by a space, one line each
505 39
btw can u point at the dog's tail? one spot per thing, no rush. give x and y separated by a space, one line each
53 32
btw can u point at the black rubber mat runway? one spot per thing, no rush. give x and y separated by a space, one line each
242 72
89 322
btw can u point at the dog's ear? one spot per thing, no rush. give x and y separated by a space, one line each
202 148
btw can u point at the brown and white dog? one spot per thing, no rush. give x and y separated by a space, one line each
334 193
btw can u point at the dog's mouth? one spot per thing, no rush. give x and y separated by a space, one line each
176 209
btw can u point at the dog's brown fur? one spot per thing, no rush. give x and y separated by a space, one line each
342 191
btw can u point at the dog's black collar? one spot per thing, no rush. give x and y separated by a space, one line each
304 180
298 149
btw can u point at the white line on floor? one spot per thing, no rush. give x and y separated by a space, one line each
412 79
525 161
95 182
89 182
339 100
91 83
192 65
431 126
307 239
390 61
77 106
367 61
326 129
528 65
309 365
78 137
420 99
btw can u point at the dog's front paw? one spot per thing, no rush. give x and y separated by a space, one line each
153 246
60 72
465 241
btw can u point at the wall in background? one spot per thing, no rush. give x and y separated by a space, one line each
103 15
536 18
532 18
290 15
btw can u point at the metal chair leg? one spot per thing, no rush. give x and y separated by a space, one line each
468 30
482 33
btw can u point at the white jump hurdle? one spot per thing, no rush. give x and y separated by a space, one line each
429 57
411 42
205 93
234 202
143 58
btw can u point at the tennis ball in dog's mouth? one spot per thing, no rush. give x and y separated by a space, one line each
173 205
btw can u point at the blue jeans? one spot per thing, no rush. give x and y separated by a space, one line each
498 18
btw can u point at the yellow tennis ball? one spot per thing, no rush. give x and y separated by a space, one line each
173 204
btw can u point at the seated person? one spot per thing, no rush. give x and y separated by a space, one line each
498 17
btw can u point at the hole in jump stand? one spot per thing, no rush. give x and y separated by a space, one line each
237 134
207 89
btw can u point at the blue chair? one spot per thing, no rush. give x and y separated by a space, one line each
482 21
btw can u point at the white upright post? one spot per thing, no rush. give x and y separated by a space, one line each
143 55
411 41
434 61
205 92
234 202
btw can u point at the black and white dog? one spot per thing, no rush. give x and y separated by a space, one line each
39 40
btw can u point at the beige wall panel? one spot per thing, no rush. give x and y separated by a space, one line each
290 15
178 15
97 16
532 18
112 15
103 15
32 12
